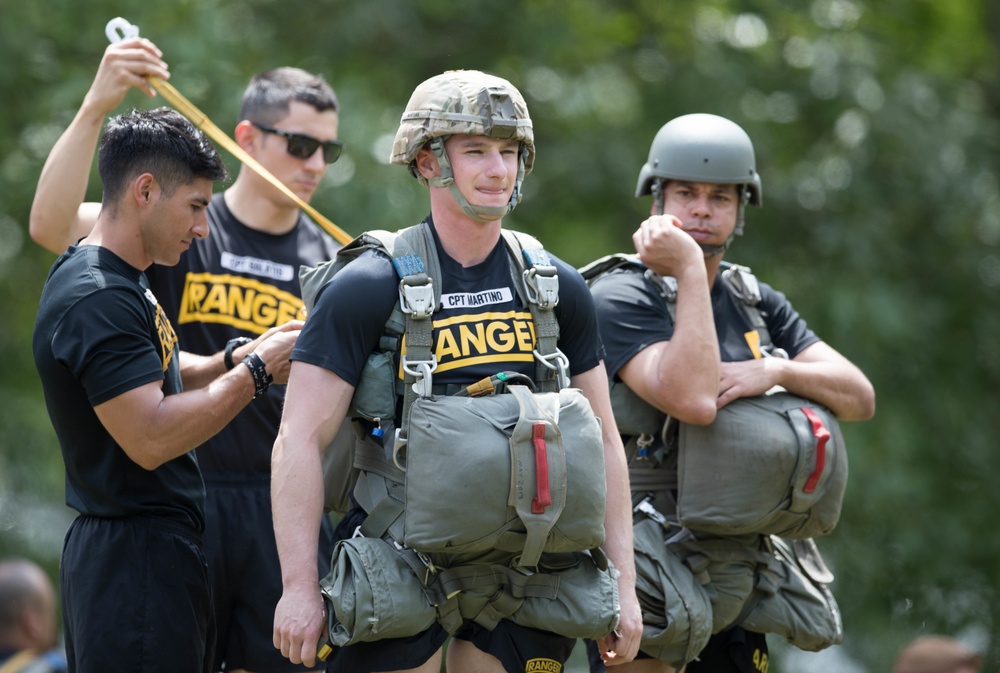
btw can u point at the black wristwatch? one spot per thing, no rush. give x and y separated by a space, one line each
227 356
261 379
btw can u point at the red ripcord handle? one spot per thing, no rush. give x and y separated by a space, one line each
822 436
543 498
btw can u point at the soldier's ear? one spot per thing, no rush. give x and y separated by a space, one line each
427 163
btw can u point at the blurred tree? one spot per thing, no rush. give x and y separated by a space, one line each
877 136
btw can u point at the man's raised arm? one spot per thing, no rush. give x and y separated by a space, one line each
59 217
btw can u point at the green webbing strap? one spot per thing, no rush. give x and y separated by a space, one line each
538 284
656 478
742 284
385 512
517 584
413 246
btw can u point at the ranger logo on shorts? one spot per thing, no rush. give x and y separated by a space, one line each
543 666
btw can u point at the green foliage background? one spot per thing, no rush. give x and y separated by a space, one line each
877 136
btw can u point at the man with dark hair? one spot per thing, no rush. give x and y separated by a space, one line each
231 288
27 620
691 351
133 578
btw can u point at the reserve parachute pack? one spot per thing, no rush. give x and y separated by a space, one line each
528 453
774 464
729 510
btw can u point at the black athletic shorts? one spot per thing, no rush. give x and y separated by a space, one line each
736 650
135 597
245 572
733 651
518 648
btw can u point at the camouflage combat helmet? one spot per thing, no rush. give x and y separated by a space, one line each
464 102
702 148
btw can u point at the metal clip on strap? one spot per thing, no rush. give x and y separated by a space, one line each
422 371
417 300
541 283
558 362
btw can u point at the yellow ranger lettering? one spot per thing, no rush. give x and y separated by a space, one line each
167 337
498 337
244 303
472 342
760 661
542 666
472 339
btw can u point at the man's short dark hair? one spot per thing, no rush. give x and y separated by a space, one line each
269 94
161 142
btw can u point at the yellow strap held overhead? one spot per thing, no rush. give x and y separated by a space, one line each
201 120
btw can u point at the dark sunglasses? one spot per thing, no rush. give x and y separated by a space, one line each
302 146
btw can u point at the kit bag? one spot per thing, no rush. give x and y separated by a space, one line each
376 589
372 593
676 609
773 464
793 599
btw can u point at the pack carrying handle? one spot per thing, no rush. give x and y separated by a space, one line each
822 436
537 431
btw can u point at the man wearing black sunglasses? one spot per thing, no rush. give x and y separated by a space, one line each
303 147
229 288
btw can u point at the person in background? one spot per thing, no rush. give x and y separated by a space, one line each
28 634
230 288
937 654
133 579
702 175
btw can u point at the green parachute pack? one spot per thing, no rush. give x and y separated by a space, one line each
531 458
725 513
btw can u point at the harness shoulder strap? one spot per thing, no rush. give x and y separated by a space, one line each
743 285
537 282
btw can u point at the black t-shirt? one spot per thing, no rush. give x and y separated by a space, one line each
633 315
239 282
101 332
480 328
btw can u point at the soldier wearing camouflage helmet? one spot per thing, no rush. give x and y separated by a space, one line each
471 103
690 354
467 136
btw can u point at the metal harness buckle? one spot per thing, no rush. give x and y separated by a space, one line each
422 371
416 299
558 362
646 508
541 283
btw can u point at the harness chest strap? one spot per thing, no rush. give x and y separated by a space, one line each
536 282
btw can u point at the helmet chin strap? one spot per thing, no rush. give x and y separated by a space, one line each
708 250
447 179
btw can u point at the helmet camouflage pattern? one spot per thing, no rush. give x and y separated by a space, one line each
463 102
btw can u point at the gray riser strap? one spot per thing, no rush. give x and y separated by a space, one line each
651 479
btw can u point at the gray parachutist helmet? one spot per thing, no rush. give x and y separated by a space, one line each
464 102
702 148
